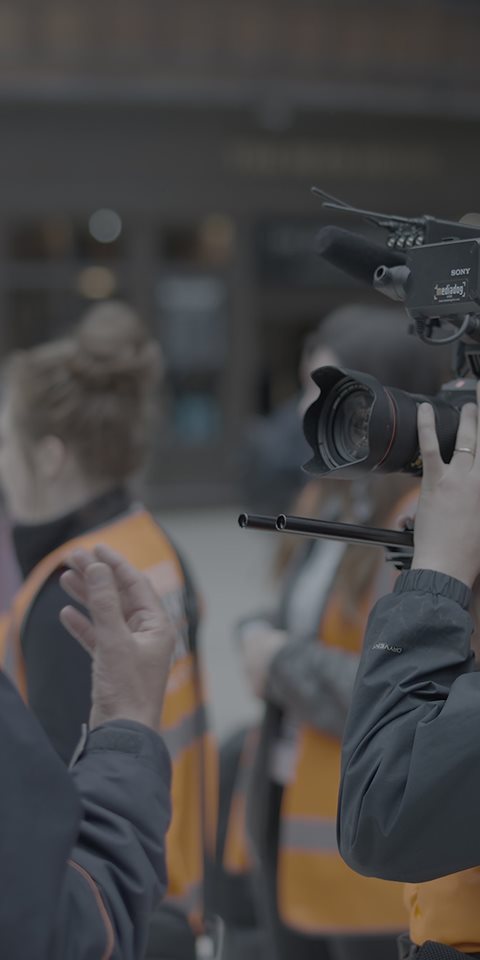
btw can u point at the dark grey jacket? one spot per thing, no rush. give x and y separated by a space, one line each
409 797
82 860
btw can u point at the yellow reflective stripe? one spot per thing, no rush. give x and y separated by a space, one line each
185 733
309 834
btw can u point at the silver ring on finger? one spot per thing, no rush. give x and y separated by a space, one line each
465 450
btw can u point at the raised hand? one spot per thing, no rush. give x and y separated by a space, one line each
128 634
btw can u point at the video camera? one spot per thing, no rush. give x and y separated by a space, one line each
358 425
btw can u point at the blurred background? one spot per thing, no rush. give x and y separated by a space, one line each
163 153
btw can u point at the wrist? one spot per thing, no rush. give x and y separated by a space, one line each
101 716
426 562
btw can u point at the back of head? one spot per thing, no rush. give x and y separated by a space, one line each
375 340
92 390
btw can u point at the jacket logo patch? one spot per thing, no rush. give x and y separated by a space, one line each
388 647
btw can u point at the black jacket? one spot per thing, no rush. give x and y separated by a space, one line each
409 796
82 859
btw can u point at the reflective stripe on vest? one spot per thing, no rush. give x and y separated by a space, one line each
310 835
184 725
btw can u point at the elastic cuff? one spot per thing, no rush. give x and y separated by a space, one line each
124 736
431 581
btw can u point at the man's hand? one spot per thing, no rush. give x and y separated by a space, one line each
447 524
129 636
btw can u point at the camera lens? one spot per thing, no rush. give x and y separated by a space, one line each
350 420
357 425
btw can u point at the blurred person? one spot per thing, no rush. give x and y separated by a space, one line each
82 852
73 430
270 460
302 662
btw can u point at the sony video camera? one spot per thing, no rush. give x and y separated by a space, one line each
358 425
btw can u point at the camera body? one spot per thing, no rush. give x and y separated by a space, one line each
438 280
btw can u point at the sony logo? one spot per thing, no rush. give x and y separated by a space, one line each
460 272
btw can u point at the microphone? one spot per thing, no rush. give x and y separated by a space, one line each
354 254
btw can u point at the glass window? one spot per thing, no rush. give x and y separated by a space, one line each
99 236
193 323
209 241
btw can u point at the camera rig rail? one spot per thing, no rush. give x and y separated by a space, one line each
398 544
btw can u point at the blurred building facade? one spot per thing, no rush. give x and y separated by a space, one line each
163 152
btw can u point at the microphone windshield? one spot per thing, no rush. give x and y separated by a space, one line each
353 254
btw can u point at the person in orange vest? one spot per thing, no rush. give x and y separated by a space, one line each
73 430
302 662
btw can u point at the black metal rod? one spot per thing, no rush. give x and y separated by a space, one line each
347 532
251 521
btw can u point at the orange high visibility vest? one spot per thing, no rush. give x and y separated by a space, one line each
317 893
184 726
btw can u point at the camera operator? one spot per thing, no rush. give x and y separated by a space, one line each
408 805
82 854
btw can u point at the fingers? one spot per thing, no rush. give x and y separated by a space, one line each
405 522
466 442
80 628
103 602
428 442
136 591
74 584
79 560
136 595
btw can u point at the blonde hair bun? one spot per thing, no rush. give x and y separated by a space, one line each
112 348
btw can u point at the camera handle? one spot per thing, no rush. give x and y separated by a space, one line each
467 359
398 544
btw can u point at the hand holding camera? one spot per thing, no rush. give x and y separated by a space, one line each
447 525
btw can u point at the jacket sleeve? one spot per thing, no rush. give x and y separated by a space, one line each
408 806
116 873
81 855
314 683
57 669
39 814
